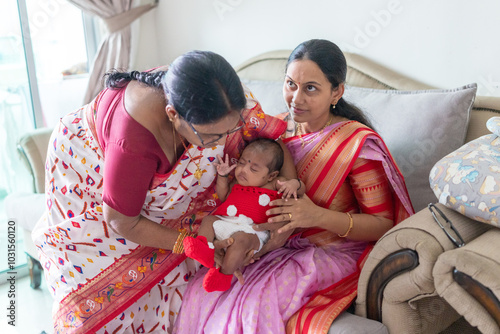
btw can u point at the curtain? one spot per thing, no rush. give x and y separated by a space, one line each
114 52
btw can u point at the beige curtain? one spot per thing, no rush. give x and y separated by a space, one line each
114 52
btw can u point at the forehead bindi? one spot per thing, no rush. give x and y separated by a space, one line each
306 72
255 157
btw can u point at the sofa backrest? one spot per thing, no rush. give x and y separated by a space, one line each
32 148
362 72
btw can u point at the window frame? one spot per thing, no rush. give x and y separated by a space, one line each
92 38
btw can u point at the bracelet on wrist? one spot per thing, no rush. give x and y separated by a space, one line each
223 175
300 184
351 223
179 243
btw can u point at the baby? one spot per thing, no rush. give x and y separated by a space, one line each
246 200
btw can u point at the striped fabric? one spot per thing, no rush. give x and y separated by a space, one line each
344 174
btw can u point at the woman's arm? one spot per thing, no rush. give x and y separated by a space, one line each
145 232
288 170
139 229
306 214
373 196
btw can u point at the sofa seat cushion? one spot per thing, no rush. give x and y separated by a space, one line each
468 180
348 323
480 260
25 208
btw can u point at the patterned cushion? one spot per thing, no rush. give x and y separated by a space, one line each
493 125
468 179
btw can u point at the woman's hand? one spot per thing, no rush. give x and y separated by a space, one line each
276 240
302 213
220 251
287 216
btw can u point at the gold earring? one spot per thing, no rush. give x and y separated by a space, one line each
333 105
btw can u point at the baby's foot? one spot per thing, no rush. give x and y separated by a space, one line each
214 280
197 248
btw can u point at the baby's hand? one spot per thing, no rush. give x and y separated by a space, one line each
223 168
288 188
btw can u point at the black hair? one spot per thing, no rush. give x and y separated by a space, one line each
201 86
332 62
271 148
118 79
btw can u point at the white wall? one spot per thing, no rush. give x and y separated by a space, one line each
445 43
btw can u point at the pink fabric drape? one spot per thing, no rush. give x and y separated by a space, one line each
114 52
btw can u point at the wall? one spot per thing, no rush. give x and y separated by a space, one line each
445 43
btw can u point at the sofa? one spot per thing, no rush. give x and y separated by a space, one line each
415 279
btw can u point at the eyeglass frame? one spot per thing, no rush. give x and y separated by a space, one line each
458 243
237 128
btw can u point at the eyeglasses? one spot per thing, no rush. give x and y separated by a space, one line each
213 138
458 243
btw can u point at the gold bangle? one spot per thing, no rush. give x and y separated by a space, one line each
179 244
351 223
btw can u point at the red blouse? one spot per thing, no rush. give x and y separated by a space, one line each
131 153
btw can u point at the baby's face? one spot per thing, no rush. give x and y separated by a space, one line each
252 168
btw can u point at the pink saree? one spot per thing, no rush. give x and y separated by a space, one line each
303 286
100 281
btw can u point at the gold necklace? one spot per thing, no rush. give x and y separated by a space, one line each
197 173
298 131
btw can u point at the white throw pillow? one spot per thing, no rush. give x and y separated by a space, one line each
269 94
419 128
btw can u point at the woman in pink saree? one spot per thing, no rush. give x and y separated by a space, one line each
128 176
354 194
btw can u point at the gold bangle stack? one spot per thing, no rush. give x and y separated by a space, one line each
351 223
179 244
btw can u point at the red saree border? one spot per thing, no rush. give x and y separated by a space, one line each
76 309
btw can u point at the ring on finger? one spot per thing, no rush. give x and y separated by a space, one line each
289 216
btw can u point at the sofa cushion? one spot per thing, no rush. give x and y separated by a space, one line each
493 124
269 94
348 323
468 179
419 128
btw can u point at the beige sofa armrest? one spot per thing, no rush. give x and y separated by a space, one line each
32 148
468 279
398 272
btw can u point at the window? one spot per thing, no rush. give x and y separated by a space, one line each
45 48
